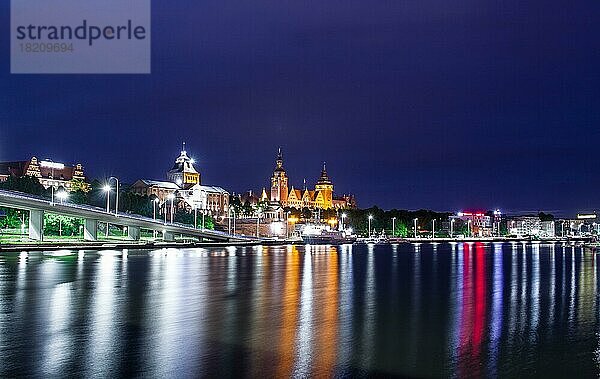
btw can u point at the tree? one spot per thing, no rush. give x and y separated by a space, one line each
26 184
401 230
55 225
138 204
12 218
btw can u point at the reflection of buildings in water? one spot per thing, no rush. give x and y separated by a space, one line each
586 298
346 307
369 312
472 324
289 316
456 296
552 286
102 342
497 309
326 349
302 366
415 306
534 297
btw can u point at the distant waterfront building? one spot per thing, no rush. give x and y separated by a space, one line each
530 226
184 182
49 173
319 198
479 223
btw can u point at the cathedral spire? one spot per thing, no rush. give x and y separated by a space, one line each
279 160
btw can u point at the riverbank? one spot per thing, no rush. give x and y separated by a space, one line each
101 245
43 246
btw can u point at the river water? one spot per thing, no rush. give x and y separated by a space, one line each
416 310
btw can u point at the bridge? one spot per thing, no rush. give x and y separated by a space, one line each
92 216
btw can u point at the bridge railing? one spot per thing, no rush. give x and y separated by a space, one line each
121 215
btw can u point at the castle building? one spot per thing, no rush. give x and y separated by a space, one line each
279 181
319 198
49 173
184 182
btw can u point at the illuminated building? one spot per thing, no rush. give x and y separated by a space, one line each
49 173
480 223
184 181
319 198
524 226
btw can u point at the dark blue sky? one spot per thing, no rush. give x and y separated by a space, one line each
413 104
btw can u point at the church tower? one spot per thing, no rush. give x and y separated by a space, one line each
279 182
183 172
325 188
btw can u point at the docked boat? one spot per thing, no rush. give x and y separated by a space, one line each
323 236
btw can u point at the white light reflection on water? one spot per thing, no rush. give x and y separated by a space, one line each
456 297
369 312
103 322
552 286
302 366
346 308
535 292
497 308
281 312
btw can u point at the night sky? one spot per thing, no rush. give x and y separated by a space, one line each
414 104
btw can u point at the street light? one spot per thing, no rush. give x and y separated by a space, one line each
452 227
433 229
154 203
370 218
344 215
171 197
393 226
469 228
62 195
107 188
52 165
415 227
257 222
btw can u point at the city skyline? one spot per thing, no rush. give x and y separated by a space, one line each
409 107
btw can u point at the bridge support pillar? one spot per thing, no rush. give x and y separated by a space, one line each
36 225
133 233
168 236
90 230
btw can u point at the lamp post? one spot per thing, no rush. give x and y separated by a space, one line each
172 198
233 220
287 225
154 204
62 195
257 223
343 225
452 227
370 218
117 193
393 226
52 165
106 189
433 229
195 217
469 228
415 227
229 221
